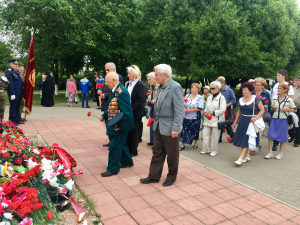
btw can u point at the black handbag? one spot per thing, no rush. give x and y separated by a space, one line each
224 124
289 117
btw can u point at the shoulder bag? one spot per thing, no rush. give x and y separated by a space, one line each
289 117
223 124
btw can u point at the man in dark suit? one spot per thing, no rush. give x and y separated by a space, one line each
111 67
14 91
119 101
137 92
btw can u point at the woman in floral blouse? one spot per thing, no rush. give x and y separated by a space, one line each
193 104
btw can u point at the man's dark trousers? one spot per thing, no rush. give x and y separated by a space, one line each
163 146
14 109
228 129
296 134
151 127
118 152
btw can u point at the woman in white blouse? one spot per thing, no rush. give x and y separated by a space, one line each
282 105
193 104
214 113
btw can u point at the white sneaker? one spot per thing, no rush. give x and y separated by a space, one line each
203 152
213 154
269 156
279 156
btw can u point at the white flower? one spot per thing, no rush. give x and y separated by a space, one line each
69 184
8 216
53 182
47 164
36 151
31 164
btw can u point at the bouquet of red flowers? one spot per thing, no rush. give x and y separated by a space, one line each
99 86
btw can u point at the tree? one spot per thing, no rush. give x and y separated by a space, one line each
5 56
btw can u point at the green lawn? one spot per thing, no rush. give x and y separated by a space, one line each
60 98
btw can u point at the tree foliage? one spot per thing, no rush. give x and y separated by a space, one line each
198 38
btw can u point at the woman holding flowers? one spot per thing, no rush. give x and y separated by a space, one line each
193 104
214 113
260 92
250 110
282 105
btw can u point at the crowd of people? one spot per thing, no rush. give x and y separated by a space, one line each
179 119
176 118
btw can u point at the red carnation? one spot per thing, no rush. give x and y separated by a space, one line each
185 100
89 114
229 139
97 86
209 117
50 215
223 129
6 155
18 160
101 85
267 102
148 93
150 121
258 96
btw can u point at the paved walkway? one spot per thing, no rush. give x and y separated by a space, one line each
199 195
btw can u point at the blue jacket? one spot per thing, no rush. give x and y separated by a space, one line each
16 83
84 85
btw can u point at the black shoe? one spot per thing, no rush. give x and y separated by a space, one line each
290 140
149 143
168 183
98 108
16 124
106 145
148 180
220 140
22 119
107 174
76 102
21 122
296 145
87 107
181 148
132 155
128 165
274 148
231 141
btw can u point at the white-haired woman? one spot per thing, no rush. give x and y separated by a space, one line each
137 92
214 113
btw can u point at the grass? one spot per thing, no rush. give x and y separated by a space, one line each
60 98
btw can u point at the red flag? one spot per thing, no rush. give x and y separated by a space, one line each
29 82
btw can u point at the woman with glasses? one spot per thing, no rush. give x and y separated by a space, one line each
265 99
193 104
250 109
214 112
137 92
281 106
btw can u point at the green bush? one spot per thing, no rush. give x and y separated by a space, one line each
180 80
